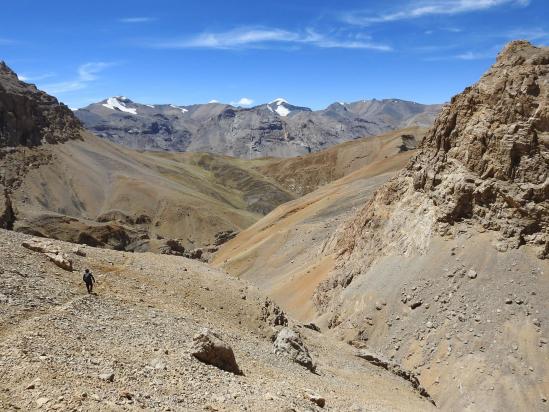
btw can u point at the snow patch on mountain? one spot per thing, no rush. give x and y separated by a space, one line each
117 103
282 111
183 110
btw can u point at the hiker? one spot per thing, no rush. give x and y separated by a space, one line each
89 280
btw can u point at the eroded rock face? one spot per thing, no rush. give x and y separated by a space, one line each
484 163
30 117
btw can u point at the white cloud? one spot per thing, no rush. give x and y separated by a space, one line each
421 8
213 101
37 77
136 20
245 38
470 55
86 73
489 54
532 34
244 101
5 41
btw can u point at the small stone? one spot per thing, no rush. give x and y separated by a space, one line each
508 301
416 304
519 301
316 399
125 395
471 274
379 306
42 401
34 384
158 364
107 376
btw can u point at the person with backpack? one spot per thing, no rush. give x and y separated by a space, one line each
89 280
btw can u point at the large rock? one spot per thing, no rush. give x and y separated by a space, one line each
209 348
53 253
288 343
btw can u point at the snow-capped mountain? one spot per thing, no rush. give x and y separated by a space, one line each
281 107
277 128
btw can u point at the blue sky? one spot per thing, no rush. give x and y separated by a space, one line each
311 52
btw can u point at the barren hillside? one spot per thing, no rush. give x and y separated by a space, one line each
283 252
129 346
73 186
442 270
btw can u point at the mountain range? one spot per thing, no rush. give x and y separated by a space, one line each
275 129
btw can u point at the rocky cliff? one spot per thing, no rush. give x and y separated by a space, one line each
29 117
443 268
484 163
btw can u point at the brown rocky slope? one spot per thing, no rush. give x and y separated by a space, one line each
130 345
477 190
484 163
441 269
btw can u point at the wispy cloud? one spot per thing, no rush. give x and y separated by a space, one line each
38 77
86 73
531 33
6 42
134 20
247 38
244 101
471 55
489 54
421 8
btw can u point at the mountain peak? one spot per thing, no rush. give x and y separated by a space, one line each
119 103
279 101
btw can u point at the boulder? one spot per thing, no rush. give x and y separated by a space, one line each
52 252
288 343
60 260
209 348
